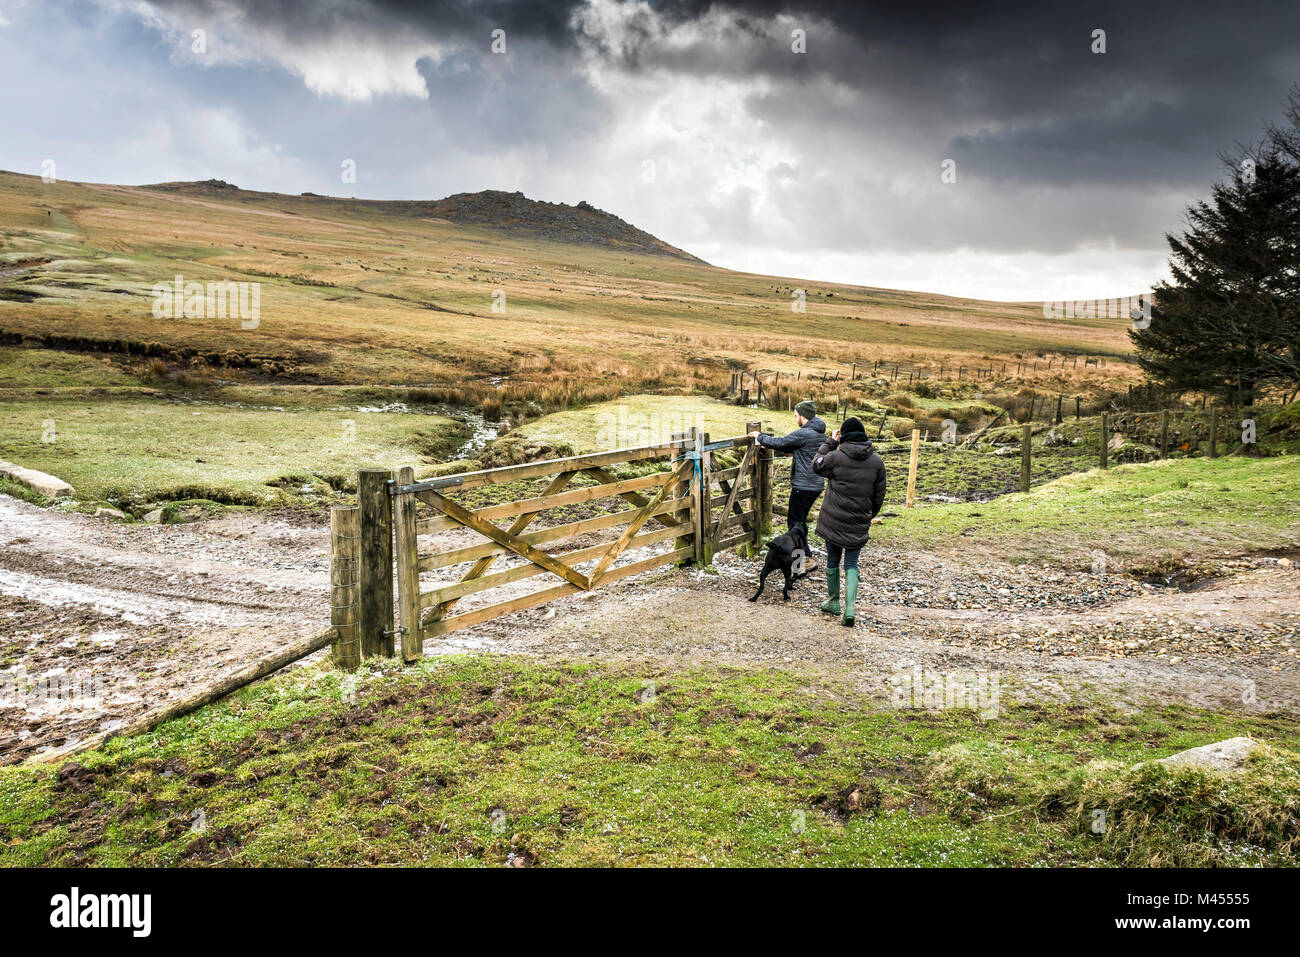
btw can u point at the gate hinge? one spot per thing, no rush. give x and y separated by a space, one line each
394 632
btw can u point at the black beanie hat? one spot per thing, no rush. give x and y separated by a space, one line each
851 430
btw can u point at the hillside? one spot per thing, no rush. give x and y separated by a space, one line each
511 213
448 296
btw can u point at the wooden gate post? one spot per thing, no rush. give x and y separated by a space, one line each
756 483
1164 434
696 489
1214 432
344 547
408 572
1105 439
1024 458
375 620
680 489
703 525
911 468
766 466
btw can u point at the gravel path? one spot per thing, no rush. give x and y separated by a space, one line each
100 620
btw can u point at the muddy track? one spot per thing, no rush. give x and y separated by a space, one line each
101 620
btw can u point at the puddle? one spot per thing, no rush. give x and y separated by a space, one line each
132 608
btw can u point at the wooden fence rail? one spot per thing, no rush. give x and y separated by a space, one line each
694 504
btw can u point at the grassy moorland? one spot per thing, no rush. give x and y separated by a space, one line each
1156 512
135 451
378 344
486 761
369 308
358 292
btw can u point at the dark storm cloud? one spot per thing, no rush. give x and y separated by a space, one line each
1177 80
534 19
1071 166
1176 83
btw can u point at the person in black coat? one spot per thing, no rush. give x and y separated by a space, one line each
855 492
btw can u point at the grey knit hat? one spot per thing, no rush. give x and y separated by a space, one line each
807 408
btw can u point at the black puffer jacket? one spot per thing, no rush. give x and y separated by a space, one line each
802 444
855 493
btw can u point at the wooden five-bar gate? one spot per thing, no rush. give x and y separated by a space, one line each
683 505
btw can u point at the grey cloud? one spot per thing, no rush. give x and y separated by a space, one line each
832 151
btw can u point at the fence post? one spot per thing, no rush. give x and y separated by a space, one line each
1105 439
1164 434
1024 458
911 468
1058 409
706 472
375 620
1214 432
767 459
699 499
408 572
680 489
762 485
344 545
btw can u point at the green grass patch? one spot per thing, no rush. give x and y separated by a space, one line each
488 761
51 368
1157 511
136 451
645 420
18 490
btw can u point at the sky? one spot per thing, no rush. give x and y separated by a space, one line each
931 146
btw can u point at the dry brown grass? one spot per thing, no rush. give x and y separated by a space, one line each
356 294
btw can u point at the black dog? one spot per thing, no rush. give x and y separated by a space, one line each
787 552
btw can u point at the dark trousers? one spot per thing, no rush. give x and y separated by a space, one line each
800 503
833 553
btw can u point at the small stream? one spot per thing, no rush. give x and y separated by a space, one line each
482 432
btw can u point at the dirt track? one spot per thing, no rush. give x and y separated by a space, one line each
107 619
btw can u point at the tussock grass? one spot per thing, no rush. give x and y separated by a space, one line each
484 761
1144 815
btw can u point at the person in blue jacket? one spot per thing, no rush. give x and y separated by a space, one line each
802 444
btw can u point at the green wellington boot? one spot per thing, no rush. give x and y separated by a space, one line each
832 606
850 596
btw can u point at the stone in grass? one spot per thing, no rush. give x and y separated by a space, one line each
46 485
153 517
102 512
1227 756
